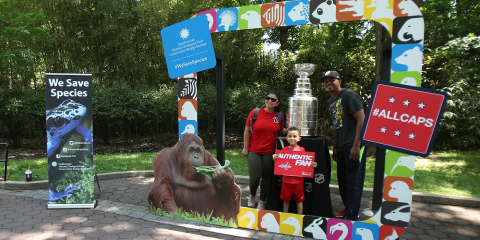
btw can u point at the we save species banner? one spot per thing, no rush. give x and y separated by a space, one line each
69 140
297 164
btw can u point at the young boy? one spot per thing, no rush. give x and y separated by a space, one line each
293 185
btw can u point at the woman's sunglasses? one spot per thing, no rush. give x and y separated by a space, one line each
271 98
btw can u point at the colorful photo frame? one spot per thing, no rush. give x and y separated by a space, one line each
397 17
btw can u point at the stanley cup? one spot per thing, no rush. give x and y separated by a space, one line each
303 107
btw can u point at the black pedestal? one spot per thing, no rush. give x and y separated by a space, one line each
317 190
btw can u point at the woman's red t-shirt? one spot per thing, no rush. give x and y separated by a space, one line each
264 133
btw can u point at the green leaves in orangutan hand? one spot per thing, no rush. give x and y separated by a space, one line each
208 170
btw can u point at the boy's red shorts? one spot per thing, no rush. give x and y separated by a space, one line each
295 189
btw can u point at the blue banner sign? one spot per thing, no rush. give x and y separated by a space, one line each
188 47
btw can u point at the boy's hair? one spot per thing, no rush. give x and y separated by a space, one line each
292 128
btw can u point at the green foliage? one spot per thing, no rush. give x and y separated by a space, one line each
454 68
195 216
345 47
21 40
446 20
240 102
84 194
208 170
443 172
238 163
280 34
160 112
242 52
124 162
119 42
119 107
448 172
122 112
206 99
118 162
22 114
16 169
460 128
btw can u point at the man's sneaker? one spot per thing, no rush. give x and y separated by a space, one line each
261 205
340 214
251 201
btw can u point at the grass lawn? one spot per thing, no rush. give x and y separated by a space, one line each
443 172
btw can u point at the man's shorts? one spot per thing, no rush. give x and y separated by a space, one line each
295 189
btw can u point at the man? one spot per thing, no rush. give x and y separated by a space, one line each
345 109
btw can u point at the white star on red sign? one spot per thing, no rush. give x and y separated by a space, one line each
421 105
391 100
406 102
397 133
411 136
383 130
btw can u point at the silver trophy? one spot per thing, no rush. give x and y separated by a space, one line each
302 106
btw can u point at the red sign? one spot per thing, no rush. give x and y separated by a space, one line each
273 14
403 118
294 163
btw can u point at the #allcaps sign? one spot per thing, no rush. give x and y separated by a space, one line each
403 118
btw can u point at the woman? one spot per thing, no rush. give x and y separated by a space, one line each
259 146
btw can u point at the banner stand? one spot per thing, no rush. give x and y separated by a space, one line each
69 129
51 206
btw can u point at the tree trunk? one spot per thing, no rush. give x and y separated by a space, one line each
381 36
284 38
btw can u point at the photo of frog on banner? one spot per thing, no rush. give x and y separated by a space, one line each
69 138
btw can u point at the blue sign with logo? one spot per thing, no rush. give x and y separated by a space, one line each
363 230
188 47
187 126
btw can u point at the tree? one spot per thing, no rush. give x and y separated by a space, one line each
21 41
454 68
449 19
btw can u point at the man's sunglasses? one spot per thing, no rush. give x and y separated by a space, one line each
271 98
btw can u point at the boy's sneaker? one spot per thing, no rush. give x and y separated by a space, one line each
340 214
251 201
261 205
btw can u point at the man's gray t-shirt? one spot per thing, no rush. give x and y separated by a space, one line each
340 111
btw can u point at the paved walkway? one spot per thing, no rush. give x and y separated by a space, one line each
123 213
